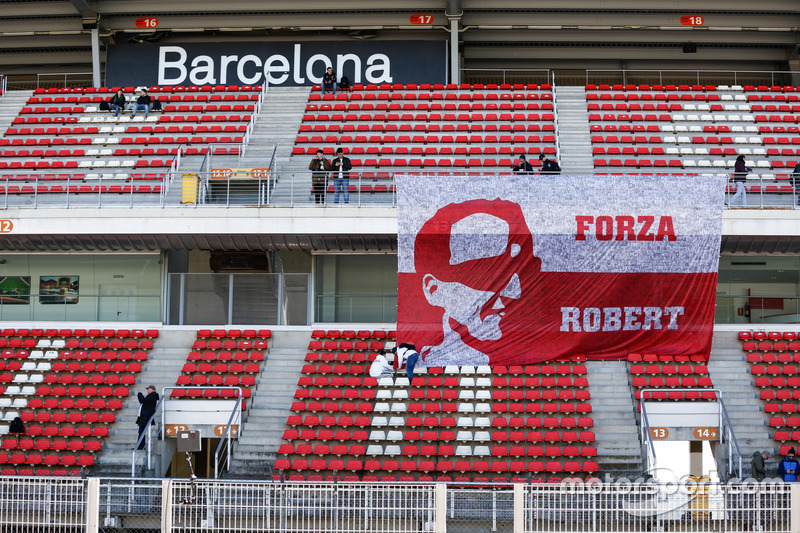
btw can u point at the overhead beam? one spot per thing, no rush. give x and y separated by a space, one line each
84 9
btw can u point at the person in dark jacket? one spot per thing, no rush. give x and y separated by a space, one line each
117 102
549 166
787 468
757 470
740 171
329 81
319 168
142 103
146 410
795 180
523 167
341 166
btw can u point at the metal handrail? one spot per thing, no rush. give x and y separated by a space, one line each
697 73
732 437
648 443
149 443
225 440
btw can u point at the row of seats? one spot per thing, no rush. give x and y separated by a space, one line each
383 107
66 396
153 89
777 380
693 88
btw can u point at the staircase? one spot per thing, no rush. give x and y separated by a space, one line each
10 105
574 137
255 451
619 450
730 372
163 366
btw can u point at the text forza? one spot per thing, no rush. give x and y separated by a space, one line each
592 319
625 228
251 69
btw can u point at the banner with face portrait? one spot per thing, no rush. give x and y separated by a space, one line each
513 269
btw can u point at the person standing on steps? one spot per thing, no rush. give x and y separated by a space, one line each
146 410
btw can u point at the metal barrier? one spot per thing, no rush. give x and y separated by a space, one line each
181 506
677 76
287 187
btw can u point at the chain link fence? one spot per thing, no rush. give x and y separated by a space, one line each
182 506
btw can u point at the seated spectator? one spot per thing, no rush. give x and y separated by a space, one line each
142 103
117 102
344 83
522 166
380 367
549 166
329 81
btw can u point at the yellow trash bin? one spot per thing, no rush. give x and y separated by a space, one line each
189 187
698 502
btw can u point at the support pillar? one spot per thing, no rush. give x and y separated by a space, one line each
454 63
696 458
96 57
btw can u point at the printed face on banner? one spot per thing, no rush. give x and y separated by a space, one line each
455 249
516 278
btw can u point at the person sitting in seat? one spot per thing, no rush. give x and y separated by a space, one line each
329 81
117 102
142 103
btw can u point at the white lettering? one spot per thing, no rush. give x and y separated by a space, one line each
341 59
250 58
202 65
310 67
223 69
612 319
298 78
673 313
163 65
632 315
593 319
652 318
569 319
373 67
282 66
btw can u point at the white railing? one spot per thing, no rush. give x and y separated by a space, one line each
47 190
172 506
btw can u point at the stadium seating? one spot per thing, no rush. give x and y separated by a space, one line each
642 129
652 371
223 358
61 141
65 385
773 358
453 424
429 128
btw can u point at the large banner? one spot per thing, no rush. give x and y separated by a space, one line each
279 63
519 269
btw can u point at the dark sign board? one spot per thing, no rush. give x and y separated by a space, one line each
281 63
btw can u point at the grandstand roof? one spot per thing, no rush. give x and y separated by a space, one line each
54 36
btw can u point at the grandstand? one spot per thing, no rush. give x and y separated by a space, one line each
185 249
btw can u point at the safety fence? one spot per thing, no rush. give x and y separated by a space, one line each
286 187
125 505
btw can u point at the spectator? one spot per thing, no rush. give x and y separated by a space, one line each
522 166
17 427
117 102
380 367
757 470
549 166
146 410
740 171
344 83
341 176
319 167
142 103
795 177
329 81
787 468
406 353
